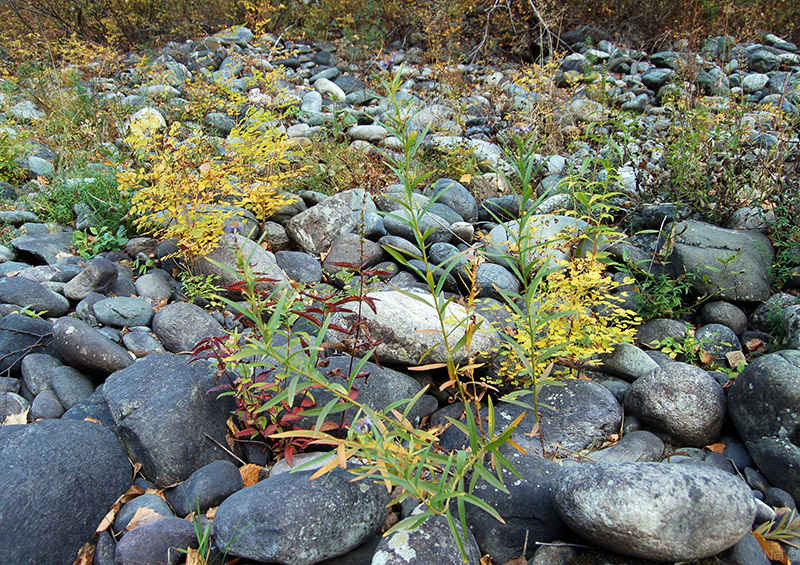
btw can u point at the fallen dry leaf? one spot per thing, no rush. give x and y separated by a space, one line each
250 473
516 561
772 549
93 420
211 512
753 344
465 179
193 557
143 516
716 447
108 519
705 357
86 554
735 358
16 419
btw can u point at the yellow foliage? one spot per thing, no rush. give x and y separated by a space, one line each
183 192
584 319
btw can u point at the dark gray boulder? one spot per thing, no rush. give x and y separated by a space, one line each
655 511
165 417
730 264
430 542
763 405
123 311
42 247
157 542
260 522
453 194
26 293
206 487
58 478
99 276
87 350
22 335
527 509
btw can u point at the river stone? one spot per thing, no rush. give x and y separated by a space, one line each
26 293
628 362
314 230
46 406
22 335
430 542
262 263
410 329
680 400
58 478
99 276
165 417
206 487
527 509
128 510
71 386
157 542
654 510
763 405
731 265
123 311
181 325
638 446
573 415
453 194
88 350
43 247
260 522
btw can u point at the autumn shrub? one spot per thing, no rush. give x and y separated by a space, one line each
188 181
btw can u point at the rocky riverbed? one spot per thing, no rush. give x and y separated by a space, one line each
649 460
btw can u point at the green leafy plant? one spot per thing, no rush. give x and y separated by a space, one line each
11 148
95 240
199 286
658 295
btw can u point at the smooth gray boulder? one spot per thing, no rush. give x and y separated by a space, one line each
43 247
58 479
680 400
22 335
430 542
411 330
655 511
262 263
181 325
763 405
26 293
261 522
729 264
86 349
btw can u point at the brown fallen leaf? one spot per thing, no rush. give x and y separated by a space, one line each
465 179
85 554
211 512
705 357
516 561
108 519
143 516
716 447
193 557
772 549
93 420
250 473
735 358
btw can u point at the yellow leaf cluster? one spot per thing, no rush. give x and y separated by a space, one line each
186 182
584 318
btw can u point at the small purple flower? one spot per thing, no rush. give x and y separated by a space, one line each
233 226
363 425
522 128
